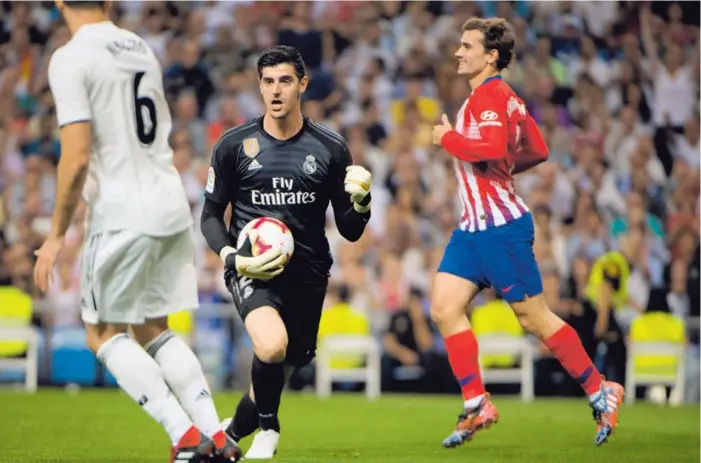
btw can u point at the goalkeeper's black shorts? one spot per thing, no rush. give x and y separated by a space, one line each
298 303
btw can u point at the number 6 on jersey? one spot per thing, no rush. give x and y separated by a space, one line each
145 134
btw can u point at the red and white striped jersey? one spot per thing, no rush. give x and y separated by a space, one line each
486 187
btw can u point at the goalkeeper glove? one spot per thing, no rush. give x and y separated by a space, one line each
264 266
357 184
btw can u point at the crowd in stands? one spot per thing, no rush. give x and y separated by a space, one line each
613 85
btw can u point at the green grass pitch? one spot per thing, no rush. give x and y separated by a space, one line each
104 426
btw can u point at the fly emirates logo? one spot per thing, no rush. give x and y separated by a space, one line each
283 194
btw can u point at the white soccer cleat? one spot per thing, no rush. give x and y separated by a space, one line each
264 445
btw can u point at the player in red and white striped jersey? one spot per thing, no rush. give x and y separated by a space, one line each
497 130
493 140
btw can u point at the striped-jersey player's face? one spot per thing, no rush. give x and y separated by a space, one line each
281 89
472 57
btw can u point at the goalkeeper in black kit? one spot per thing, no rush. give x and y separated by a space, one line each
289 167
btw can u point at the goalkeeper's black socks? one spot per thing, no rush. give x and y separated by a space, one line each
245 421
268 382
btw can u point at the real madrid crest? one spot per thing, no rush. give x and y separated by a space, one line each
251 147
309 165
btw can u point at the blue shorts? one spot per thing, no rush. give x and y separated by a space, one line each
500 257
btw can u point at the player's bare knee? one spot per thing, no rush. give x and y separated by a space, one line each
451 295
534 315
271 353
528 321
439 313
93 340
271 350
97 335
268 334
445 312
149 331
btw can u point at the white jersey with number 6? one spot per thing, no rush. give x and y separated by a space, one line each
110 77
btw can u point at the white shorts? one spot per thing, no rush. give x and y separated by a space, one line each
128 277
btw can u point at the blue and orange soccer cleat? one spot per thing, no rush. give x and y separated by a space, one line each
605 407
471 421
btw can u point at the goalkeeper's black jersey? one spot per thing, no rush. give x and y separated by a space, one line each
292 180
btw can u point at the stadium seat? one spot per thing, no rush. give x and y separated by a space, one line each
72 362
656 353
370 373
182 324
109 379
503 344
19 340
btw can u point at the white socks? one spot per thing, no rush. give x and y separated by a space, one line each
183 373
473 402
142 379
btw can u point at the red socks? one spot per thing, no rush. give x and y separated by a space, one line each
567 348
463 356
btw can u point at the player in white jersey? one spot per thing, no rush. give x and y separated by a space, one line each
138 256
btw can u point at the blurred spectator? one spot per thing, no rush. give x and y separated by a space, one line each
542 63
187 72
409 354
340 318
228 116
636 216
686 145
186 111
392 284
681 275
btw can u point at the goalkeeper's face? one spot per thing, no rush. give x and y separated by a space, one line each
281 89
473 59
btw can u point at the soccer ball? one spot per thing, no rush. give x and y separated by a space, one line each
270 233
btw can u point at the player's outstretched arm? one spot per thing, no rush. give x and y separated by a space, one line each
534 150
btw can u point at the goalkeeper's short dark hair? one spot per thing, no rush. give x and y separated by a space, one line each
95 4
282 54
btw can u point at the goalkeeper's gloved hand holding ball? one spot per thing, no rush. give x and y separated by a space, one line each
264 266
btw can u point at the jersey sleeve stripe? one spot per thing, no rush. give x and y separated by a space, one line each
327 133
324 129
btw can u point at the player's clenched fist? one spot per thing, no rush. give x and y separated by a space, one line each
357 184
441 129
264 266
